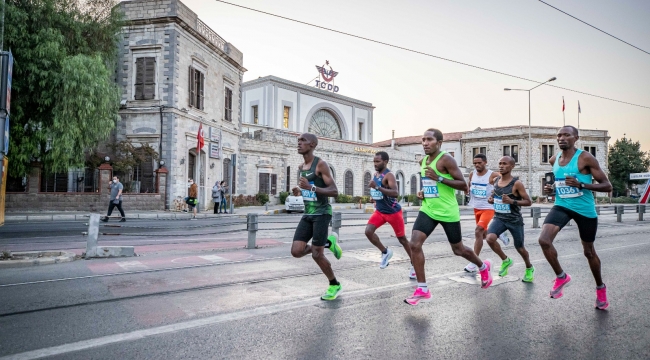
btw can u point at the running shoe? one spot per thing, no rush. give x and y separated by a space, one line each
412 275
418 296
334 246
601 299
332 292
528 275
486 275
558 286
504 237
505 264
385 257
470 268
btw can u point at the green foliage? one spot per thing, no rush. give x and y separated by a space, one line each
413 199
343 199
460 198
64 99
283 196
624 200
262 198
625 157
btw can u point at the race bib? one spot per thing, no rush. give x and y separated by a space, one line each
566 192
500 207
376 194
479 190
430 188
308 195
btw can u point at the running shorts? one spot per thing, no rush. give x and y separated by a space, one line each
499 226
314 228
483 217
426 225
560 216
395 220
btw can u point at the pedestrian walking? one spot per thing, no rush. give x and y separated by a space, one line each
116 188
216 196
224 203
192 201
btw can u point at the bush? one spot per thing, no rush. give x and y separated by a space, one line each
624 200
413 199
248 200
344 199
460 198
262 198
283 196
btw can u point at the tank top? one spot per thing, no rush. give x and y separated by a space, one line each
315 204
569 197
480 190
507 212
383 203
439 199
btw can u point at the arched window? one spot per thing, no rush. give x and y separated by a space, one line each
349 183
399 178
414 184
366 180
323 123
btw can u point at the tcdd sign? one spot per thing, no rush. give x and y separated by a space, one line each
327 76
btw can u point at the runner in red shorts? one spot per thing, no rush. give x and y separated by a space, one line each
383 191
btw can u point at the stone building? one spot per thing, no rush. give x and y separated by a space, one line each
177 74
413 144
275 111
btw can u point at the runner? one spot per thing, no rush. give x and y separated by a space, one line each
480 187
383 191
316 186
440 176
508 197
574 172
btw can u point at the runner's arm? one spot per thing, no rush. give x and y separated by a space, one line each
469 181
452 168
520 190
330 189
599 175
391 191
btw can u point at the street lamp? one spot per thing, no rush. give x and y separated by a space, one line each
530 156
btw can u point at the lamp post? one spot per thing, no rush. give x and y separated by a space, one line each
530 155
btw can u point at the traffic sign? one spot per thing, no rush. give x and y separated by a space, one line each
640 176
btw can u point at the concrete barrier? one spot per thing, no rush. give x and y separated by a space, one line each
95 251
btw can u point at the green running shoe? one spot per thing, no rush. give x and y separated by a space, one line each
331 293
334 247
528 276
504 267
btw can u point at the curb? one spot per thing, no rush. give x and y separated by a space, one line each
62 258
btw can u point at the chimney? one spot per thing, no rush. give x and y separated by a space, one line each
392 141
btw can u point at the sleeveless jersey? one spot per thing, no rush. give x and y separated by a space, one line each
569 197
383 203
507 212
480 190
315 204
439 199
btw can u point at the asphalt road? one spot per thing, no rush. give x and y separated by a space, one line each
236 303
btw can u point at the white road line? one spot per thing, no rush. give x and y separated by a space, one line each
131 265
234 316
213 258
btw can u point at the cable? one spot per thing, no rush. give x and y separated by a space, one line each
429 55
586 23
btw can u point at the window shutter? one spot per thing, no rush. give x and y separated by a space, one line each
201 85
191 87
139 79
274 184
288 180
149 78
264 183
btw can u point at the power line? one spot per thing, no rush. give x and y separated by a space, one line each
586 23
426 54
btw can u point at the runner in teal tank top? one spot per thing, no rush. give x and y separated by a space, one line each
440 178
573 187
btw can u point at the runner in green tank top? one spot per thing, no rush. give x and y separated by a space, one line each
440 177
316 186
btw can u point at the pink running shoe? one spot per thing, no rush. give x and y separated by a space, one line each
558 286
601 299
418 296
486 275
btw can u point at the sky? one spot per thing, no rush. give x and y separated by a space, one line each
412 92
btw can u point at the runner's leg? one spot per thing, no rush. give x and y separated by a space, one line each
494 245
304 233
549 232
375 221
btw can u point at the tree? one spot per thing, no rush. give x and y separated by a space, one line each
625 157
64 98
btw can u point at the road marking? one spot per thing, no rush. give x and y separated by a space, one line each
131 265
213 258
241 315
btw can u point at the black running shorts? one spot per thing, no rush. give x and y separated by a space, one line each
560 216
313 226
426 225
498 227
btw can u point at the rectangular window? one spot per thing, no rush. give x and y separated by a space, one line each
547 153
145 78
228 104
288 179
274 184
265 183
479 150
256 119
512 151
591 149
285 117
360 131
197 83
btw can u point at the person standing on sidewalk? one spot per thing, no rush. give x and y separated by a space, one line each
216 197
224 203
116 188
193 194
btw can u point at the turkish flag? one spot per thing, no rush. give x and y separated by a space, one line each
199 137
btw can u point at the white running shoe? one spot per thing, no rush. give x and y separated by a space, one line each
385 257
470 268
504 237
412 275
